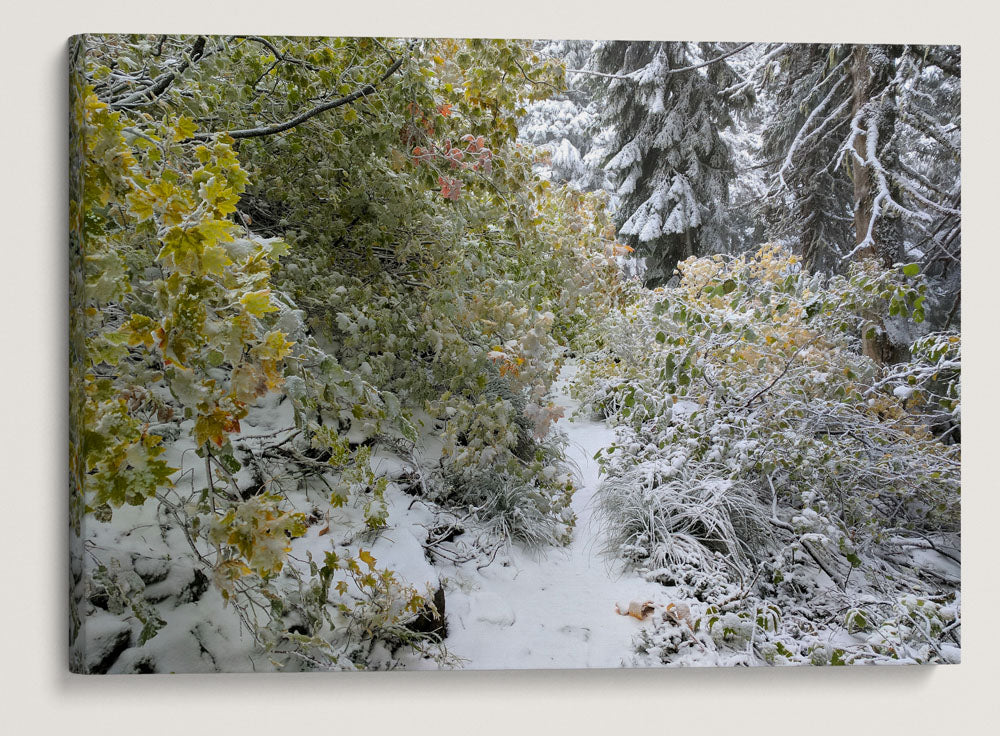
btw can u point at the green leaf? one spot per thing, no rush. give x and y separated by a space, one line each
911 269
230 463
668 369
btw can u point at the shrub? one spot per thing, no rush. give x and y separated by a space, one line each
754 435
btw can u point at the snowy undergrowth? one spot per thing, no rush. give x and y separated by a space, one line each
797 501
508 595
144 565
787 526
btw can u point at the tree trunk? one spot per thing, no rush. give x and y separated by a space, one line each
872 72
861 74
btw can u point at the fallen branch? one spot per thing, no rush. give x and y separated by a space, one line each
924 542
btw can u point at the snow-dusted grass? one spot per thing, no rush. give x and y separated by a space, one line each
513 514
666 517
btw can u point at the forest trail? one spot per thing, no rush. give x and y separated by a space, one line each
555 608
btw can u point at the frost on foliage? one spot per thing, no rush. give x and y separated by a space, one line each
664 518
767 470
236 389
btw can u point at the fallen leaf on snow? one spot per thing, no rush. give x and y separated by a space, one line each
636 609
679 612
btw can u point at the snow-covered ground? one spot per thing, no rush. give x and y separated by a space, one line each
556 608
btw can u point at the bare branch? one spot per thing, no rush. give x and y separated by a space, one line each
160 85
365 91
279 55
778 377
631 77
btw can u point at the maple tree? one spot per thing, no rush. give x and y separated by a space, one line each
388 217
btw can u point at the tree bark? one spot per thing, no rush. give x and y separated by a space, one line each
871 74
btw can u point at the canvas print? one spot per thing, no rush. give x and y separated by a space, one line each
416 353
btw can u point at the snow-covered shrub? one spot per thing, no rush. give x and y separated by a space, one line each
747 383
749 363
470 359
753 631
498 466
930 383
367 626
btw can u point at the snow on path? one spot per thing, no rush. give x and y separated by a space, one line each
557 608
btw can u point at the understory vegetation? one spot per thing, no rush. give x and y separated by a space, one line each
322 289
763 461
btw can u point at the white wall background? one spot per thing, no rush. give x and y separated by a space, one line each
37 693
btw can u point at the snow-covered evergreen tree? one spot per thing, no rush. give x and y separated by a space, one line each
812 201
863 143
567 128
671 167
929 169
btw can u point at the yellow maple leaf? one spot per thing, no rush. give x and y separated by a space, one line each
184 128
366 557
274 346
258 303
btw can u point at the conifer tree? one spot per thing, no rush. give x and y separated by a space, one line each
863 140
812 203
864 144
671 166
567 128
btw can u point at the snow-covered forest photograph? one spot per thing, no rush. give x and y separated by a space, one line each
457 353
